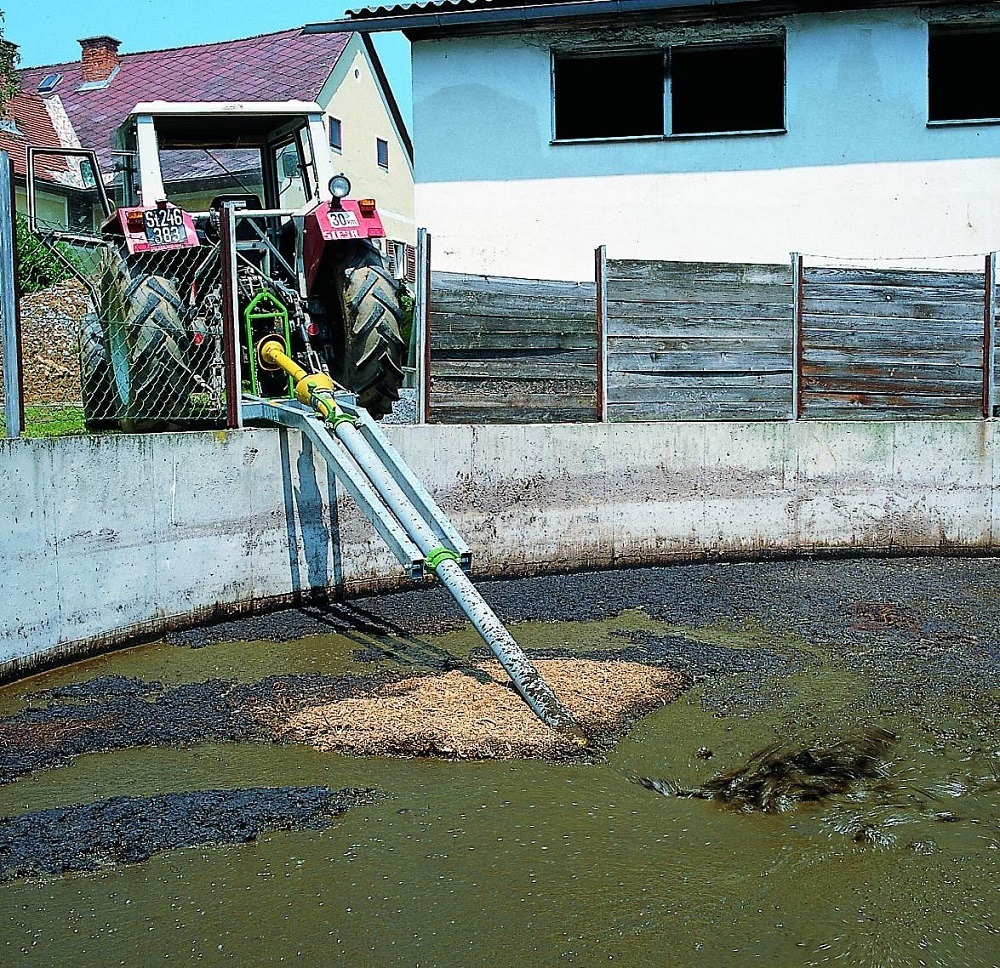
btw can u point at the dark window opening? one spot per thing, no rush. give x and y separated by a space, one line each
615 96
336 134
961 74
382 153
717 89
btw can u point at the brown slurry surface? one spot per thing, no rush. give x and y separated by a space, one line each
476 714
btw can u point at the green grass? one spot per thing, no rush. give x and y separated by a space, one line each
62 420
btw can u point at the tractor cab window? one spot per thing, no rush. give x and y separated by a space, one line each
192 177
293 189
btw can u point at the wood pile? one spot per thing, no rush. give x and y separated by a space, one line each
50 323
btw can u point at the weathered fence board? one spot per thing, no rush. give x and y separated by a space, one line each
511 350
697 410
872 406
690 341
900 343
922 278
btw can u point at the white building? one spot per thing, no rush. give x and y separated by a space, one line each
683 130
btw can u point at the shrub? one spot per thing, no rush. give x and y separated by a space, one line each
38 266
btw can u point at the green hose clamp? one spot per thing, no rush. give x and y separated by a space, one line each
438 555
341 418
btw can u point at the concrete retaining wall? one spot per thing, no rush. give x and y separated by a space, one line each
111 537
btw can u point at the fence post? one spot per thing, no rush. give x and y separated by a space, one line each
230 317
421 314
601 259
10 319
797 283
989 337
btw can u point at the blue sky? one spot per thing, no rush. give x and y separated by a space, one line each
48 30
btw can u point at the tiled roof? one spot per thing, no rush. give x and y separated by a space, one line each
449 6
288 65
34 127
429 6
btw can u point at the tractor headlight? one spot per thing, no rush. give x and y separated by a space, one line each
340 186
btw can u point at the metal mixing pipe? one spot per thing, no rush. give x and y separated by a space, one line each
316 390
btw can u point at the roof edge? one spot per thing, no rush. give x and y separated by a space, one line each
417 21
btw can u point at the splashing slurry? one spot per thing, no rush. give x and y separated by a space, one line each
825 791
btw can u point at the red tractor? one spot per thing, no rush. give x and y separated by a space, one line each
307 265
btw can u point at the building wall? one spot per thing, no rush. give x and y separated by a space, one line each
353 96
121 535
858 173
52 210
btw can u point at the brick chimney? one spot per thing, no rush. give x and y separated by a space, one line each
100 58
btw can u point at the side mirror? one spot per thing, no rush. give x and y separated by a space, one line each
290 164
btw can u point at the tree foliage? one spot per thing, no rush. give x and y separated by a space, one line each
9 58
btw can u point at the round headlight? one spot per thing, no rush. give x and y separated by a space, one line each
340 186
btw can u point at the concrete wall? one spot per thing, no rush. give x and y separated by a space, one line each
111 537
857 173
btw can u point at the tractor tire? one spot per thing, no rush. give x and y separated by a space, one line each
145 331
99 412
369 355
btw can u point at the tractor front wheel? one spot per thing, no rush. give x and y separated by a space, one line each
369 353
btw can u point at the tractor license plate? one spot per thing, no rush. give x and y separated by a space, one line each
343 220
164 226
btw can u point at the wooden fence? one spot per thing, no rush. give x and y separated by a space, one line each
511 350
653 340
899 343
698 341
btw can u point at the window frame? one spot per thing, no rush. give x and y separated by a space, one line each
339 147
731 43
947 27
772 40
596 55
379 142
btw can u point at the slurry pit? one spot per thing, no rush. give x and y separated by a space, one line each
792 763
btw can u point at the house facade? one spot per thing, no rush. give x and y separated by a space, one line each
675 130
341 71
63 197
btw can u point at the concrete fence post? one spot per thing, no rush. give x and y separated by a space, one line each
601 272
421 314
10 322
798 279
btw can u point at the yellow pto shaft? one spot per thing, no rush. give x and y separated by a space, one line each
313 389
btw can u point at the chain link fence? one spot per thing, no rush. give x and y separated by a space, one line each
117 340
150 352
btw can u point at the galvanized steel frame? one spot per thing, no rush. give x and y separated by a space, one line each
10 316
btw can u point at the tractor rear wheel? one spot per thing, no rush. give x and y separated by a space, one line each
145 331
99 412
369 355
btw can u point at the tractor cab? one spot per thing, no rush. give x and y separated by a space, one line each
271 155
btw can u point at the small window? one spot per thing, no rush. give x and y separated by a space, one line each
49 83
716 89
961 73
608 96
336 134
382 152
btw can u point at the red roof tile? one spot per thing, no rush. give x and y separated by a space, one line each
34 127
